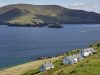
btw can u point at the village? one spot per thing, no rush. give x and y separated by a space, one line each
70 59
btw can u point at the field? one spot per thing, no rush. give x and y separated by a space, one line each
20 69
88 66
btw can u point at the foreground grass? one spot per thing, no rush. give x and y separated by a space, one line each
26 68
88 66
58 65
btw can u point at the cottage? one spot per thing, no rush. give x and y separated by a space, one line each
46 66
72 59
87 51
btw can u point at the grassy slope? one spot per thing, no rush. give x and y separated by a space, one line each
88 66
31 17
20 69
29 12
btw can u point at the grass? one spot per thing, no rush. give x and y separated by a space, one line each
31 15
32 72
28 68
72 52
58 65
26 19
88 66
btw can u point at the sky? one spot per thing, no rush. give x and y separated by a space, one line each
88 5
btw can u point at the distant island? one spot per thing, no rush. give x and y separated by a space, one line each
43 15
55 26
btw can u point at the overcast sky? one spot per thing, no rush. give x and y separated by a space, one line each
88 5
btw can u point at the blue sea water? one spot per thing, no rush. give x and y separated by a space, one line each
22 44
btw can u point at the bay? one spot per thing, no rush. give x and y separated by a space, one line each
23 44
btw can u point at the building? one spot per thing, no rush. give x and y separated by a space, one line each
46 66
87 51
72 59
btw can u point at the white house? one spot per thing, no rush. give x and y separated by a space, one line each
46 66
87 51
72 59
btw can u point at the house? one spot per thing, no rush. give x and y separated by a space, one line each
72 59
87 51
46 66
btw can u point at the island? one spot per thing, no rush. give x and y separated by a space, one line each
27 15
55 26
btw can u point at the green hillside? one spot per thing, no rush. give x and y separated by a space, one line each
26 14
88 66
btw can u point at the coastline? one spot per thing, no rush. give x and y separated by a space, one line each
32 66
41 25
20 69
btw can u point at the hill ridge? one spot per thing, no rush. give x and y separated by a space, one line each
46 14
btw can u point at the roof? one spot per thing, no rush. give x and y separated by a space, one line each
88 49
72 57
47 64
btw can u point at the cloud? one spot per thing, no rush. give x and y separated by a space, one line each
84 6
